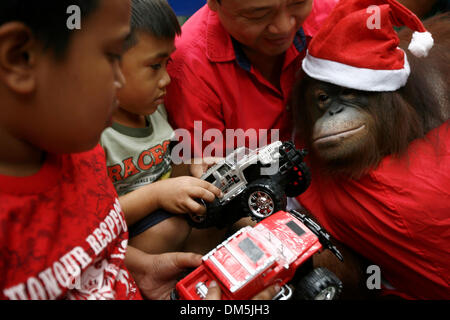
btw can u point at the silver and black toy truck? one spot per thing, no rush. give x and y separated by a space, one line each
254 183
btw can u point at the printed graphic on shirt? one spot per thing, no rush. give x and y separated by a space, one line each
74 276
146 167
98 281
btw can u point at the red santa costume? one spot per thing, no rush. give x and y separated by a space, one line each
397 215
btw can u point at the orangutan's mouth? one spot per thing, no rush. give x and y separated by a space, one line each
337 136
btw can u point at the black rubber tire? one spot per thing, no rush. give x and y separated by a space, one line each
316 284
303 181
218 215
270 188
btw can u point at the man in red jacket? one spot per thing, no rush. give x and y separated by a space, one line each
234 68
233 72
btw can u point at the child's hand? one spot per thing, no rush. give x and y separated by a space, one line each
179 195
198 169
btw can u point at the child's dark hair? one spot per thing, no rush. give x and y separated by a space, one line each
155 17
47 19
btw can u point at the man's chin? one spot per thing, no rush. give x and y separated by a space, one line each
274 51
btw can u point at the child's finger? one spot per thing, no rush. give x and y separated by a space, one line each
195 207
213 292
210 161
197 171
201 193
212 188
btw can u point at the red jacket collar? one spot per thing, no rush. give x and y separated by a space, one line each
219 47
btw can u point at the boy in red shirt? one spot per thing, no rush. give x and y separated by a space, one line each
63 233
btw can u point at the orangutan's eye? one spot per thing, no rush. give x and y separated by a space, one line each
323 97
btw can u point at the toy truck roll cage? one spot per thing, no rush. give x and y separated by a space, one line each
254 183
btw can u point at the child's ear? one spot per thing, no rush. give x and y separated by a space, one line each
18 53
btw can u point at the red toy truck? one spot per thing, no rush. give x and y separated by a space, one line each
256 258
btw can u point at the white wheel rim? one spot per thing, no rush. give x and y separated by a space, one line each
326 294
261 204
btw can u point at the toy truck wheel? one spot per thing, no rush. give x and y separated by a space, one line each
263 198
319 284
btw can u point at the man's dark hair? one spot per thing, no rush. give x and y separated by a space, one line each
155 17
47 19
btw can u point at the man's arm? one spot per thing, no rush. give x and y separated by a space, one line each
194 109
156 275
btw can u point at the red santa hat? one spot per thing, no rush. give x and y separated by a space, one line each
357 47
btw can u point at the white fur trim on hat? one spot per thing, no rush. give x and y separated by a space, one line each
421 43
356 78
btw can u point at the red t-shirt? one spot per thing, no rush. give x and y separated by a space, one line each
213 82
63 234
397 216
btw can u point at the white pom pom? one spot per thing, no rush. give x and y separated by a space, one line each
421 43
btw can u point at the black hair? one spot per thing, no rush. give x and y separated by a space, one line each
155 17
47 19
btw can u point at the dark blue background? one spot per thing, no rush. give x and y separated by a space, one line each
186 7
